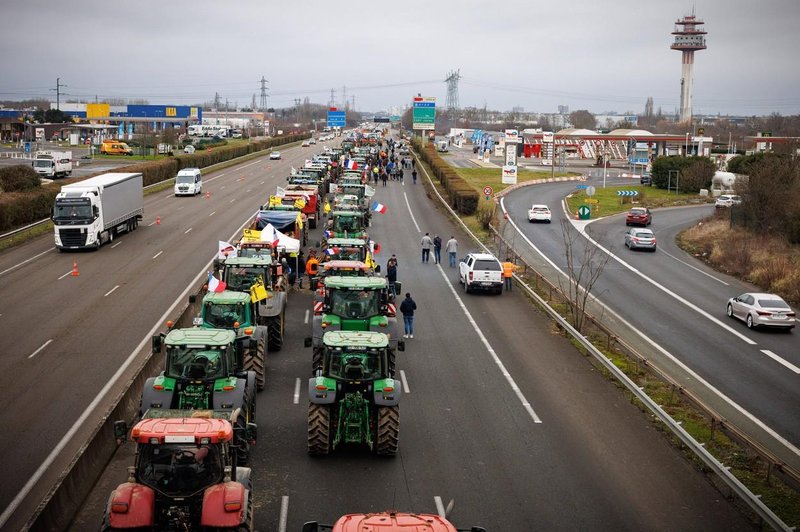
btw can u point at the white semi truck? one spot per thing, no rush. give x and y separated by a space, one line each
90 213
53 163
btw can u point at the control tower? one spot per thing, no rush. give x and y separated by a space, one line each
689 36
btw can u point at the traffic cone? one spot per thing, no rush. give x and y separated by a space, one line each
75 272
208 194
158 220
576 216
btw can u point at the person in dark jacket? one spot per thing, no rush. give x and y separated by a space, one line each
437 249
391 276
407 307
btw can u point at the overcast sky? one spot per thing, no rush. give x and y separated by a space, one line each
586 54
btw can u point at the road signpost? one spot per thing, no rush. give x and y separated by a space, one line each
424 115
488 191
584 212
509 173
627 192
336 118
590 190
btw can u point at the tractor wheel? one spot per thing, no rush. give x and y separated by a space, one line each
316 360
242 446
388 430
256 362
312 223
392 362
319 429
275 328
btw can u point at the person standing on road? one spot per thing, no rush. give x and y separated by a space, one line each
414 176
437 249
312 269
300 267
391 276
427 244
407 307
452 249
508 273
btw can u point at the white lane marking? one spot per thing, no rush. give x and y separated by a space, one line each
187 231
439 506
151 223
248 190
306 318
296 398
112 382
781 361
262 183
411 213
525 403
404 381
733 404
245 166
234 199
69 272
223 186
284 514
37 351
215 177
14 267
110 291
213 213
157 254
115 245
695 268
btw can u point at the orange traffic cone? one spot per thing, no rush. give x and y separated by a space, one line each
208 194
158 220
75 272
577 217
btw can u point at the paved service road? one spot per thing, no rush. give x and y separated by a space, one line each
581 456
679 303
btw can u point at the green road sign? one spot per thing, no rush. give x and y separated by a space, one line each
424 114
584 212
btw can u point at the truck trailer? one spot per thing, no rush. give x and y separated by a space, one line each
53 163
92 212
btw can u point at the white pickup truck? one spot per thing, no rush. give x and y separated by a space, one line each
481 271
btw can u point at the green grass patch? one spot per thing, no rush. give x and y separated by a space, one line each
609 203
478 178
26 235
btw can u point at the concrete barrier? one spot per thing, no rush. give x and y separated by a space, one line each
74 484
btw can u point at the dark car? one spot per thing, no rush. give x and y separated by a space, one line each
639 216
646 179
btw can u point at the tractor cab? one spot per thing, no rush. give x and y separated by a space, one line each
240 273
350 249
200 355
348 224
226 310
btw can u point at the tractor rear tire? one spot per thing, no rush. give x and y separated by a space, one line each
388 431
316 360
242 446
275 328
256 362
319 429
392 362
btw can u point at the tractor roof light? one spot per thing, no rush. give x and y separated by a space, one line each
221 434
170 323
236 325
248 331
135 433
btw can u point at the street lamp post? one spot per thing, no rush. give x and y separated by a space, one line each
686 146
605 163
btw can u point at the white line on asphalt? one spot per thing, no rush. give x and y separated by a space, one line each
783 441
223 186
781 361
37 352
213 213
69 272
151 223
115 245
404 381
284 513
296 398
305 321
109 292
80 422
525 403
187 231
411 213
14 267
234 199
248 190
157 254
245 166
694 267
262 183
215 177
439 506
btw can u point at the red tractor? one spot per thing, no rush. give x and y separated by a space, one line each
184 476
389 522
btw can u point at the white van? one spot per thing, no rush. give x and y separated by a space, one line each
189 181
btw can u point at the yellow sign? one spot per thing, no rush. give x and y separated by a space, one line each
258 292
590 200
251 235
275 200
300 203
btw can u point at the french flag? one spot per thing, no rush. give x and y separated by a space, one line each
352 165
331 251
214 284
328 234
379 207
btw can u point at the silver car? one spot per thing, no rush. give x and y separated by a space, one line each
639 238
761 310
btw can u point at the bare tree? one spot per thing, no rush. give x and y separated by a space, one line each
582 119
584 267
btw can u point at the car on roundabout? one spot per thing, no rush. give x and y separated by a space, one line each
725 201
639 216
539 213
275 156
638 238
761 310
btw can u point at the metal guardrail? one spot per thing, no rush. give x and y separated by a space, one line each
735 485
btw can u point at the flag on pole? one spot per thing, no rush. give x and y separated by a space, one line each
214 284
352 165
275 238
299 220
368 261
378 207
226 249
280 192
332 251
293 171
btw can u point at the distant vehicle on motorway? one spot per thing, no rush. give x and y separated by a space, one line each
481 271
276 155
539 213
761 310
639 216
306 144
312 141
637 238
646 179
189 149
727 200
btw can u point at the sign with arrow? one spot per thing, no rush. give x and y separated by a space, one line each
627 192
584 212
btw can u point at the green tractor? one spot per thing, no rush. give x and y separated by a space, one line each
236 311
355 304
204 370
241 273
346 249
347 224
353 398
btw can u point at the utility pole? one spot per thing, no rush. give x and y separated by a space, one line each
333 100
263 82
344 96
58 92
354 103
